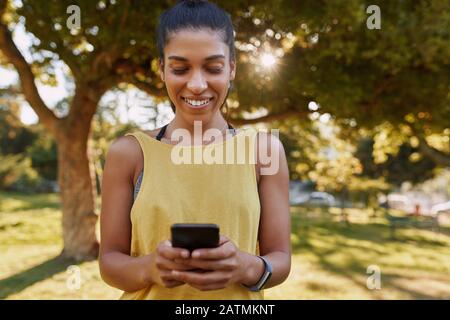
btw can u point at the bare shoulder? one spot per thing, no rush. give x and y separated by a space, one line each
124 146
267 141
125 155
265 137
128 145
271 157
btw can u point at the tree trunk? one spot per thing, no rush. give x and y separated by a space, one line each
78 194
76 178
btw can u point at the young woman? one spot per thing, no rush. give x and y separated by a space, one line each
144 191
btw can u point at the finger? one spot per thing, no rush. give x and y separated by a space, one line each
165 249
173 283
206 278
223 239
218 264
226 250
168 280
166 264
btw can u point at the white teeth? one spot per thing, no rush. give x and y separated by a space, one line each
195 102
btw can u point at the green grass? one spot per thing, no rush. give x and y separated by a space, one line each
329 261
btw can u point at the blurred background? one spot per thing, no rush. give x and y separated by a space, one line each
359 90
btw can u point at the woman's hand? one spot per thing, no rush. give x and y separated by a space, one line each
163 263
220 266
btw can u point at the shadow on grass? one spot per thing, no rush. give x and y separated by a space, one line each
377 233
41 205
31 201
389 281
444 230
324 237
24 279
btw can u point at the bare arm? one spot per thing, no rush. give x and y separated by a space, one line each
275 224
117 267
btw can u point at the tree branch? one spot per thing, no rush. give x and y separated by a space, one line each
149 89
84 104
439 157
125 71
272 117
27 78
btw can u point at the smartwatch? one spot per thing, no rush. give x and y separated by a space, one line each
264 278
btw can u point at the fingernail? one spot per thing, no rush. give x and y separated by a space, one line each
196 254
185 254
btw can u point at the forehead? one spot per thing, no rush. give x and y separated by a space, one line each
195 45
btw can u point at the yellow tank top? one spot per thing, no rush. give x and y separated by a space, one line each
199 192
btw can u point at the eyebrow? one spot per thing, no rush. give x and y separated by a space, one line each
213 57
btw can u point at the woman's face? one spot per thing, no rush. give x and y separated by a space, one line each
197 72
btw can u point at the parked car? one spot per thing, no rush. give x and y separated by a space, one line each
315 198
440 208
298 199
321 199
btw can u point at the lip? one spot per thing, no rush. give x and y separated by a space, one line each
198 107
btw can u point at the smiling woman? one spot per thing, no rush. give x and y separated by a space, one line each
197 80
197 65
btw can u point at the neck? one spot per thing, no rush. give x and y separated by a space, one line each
217 122
197 128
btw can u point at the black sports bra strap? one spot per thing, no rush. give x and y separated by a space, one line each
231 128
161 133
163 130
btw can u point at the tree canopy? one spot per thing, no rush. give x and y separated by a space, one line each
323 52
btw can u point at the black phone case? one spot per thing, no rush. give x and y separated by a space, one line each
193 236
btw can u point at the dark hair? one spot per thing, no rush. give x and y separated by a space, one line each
195 15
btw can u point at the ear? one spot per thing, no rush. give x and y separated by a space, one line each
161 69
232 69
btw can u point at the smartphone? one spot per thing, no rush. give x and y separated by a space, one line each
193 236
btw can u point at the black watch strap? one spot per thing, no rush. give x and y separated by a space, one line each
264 278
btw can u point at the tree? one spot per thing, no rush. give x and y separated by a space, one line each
302 144
399 74
14 137
112 45
43 154
27 153
326 54
406 165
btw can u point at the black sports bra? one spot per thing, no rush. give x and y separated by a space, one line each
163 130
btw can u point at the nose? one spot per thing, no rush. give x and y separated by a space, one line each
197 83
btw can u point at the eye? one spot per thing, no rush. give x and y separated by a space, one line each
215 70
179 71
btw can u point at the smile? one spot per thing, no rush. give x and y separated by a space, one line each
197 103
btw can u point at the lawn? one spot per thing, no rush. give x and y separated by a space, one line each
329 261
